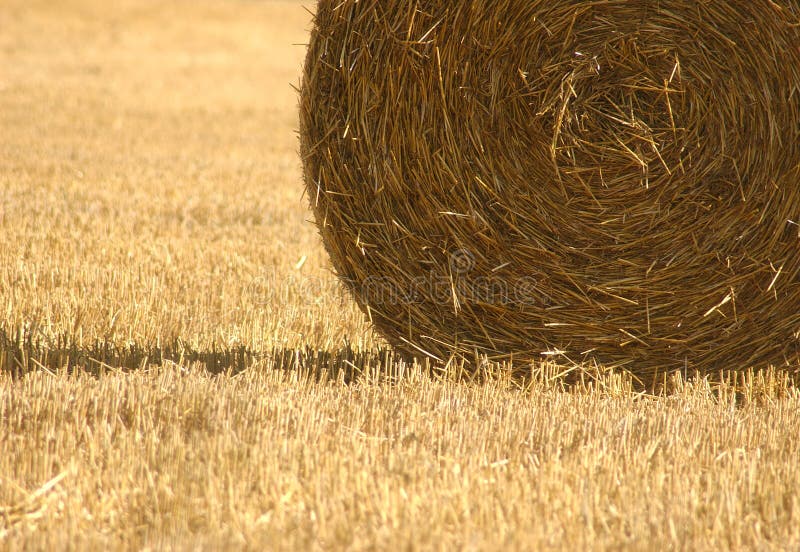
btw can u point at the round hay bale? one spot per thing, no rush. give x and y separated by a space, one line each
613 181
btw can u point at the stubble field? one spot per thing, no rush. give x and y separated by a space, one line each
180 369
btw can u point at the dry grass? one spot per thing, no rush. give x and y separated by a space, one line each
151 227
177 458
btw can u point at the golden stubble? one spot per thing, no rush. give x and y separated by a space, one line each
150 191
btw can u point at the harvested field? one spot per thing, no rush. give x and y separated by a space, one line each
180 368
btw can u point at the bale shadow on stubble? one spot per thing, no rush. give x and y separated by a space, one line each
24 351
22 354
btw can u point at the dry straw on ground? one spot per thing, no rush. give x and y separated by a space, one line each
608 180
151 223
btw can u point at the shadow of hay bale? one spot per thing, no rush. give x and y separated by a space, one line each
613 182
21 352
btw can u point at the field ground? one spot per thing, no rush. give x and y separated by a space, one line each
224 391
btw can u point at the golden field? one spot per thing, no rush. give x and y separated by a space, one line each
179 368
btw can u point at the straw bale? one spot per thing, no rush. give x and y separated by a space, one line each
616 181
